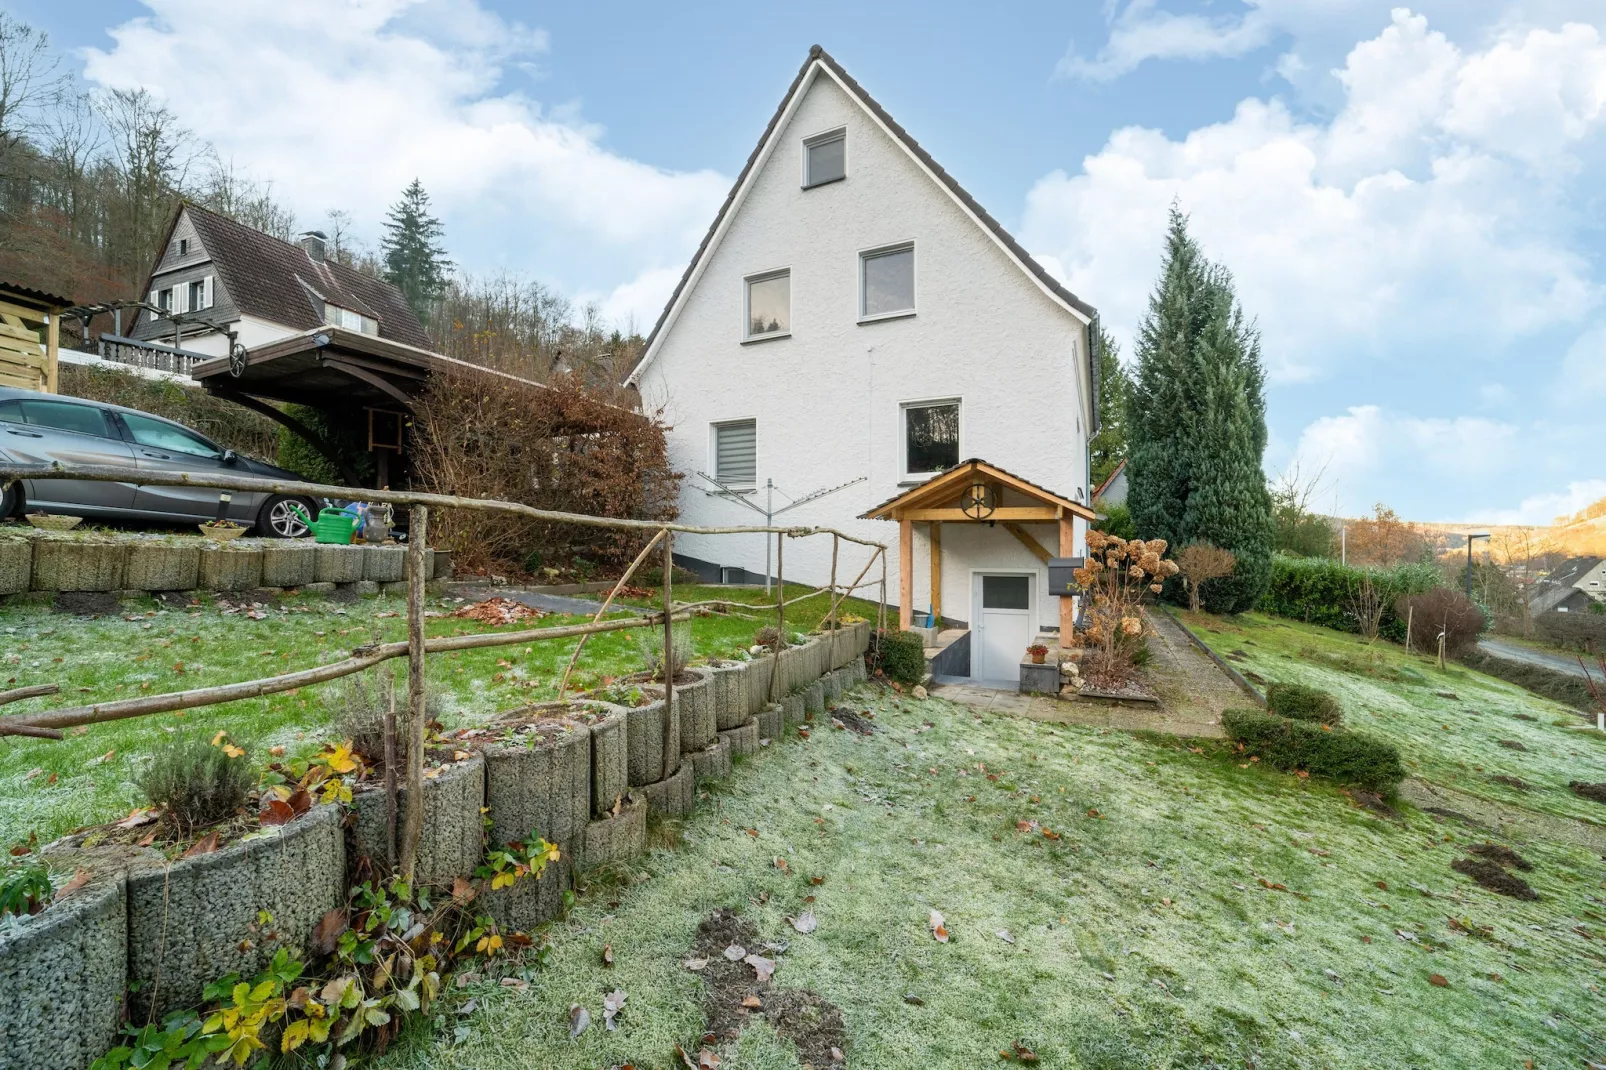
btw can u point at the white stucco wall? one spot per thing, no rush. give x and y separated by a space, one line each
252 332
827 399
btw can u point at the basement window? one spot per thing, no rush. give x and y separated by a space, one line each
736 454
825 158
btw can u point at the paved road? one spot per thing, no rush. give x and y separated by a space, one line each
1556 662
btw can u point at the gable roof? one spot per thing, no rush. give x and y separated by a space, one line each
277 281
820 60
961 475
1098 491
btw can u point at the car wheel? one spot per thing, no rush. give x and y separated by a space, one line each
10 500
282 517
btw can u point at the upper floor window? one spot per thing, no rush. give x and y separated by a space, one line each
825 158
200 294
769 305
336 316
736 454
183 247
164 299
887 282
930 437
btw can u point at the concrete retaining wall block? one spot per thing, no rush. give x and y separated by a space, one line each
814 698
771 722
675 796
610 758
63 974
792 710
743 740
831 684
430 566
188 921
713 762
618 836
77 564
696 702
231 568
540 784
16 565
730 693
527 903
338 564
384 564
759 673
289 564
453 837
644 735
153 566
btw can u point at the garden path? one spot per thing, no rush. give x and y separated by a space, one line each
548 603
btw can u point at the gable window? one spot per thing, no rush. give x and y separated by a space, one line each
825 158
183 247
200 294
930 437
736 454
887 282
769 305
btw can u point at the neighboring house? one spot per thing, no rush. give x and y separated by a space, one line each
1113 490
215 275
1570 587
853 317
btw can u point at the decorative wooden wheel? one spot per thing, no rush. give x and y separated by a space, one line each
977 501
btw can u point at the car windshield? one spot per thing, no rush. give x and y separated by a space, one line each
161 435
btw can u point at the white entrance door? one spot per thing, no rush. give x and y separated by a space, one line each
1002 612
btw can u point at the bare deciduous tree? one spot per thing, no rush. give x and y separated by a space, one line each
1200 562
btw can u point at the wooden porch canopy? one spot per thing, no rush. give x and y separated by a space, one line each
975 492
30 337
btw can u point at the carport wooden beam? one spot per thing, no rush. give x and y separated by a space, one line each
1067 549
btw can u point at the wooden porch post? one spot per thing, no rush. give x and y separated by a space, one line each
906 575
936 571
52 353
1067 549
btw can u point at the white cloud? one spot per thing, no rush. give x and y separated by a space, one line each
639 302
1410 218
1582 382
1142 32
1548 507
342 104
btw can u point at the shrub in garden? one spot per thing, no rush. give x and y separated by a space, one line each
650 643
768 637
195 783
1199 562
901 656
1301 703
1579 631
1321 591
1118 575
1346 757
1444 610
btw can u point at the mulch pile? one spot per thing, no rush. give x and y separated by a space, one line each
1586 790
842 717
734 995
1488 870
497 611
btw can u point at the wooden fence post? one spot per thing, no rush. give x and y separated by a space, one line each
671 737
834 542
881 616
413 826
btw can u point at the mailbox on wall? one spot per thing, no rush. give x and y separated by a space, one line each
1061 575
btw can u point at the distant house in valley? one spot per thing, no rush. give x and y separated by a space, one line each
854 322
214 276
1113 490
1570 587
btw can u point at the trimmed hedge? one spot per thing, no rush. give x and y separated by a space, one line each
1318 590
1565 688
1336 754
1300 703
900 655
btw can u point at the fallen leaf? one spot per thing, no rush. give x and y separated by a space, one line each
695 965
462 891
143 816
780 863
607 954
752 1002
764 968
612 1004
515 983
736 952
204 846
1438 980
276 812
805 922
913 1000
103 758
80 878
579 1018
939 926
326 934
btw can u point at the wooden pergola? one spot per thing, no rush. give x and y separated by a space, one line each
975 492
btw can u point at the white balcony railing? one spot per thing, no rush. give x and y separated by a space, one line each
149 355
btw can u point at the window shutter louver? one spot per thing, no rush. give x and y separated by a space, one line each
207 297
736 453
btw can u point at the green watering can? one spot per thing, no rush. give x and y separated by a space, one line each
334 526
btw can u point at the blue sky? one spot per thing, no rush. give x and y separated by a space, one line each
1409 197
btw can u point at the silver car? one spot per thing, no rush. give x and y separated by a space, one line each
44 428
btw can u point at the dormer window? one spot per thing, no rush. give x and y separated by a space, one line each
825 158
336 316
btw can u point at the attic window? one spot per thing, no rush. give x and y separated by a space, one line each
336 316
183 246
825 158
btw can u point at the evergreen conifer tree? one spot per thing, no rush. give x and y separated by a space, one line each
1108 448
1197 423
415 263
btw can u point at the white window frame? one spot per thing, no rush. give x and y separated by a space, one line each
165 292
903 433
196 288
866 255
824 136
713 452
747 311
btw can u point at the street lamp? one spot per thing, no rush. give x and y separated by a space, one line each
1479 535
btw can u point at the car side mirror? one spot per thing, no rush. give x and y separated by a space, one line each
229 456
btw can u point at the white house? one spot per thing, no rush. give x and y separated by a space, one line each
853 316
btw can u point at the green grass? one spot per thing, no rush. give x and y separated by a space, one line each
1454 742
1144 936
152 650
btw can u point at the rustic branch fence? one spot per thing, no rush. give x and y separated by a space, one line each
48 724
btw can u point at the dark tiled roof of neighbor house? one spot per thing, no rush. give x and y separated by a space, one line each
820 54
277 281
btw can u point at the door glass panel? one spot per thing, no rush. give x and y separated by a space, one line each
1006 592
158 434
65 416
11 411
